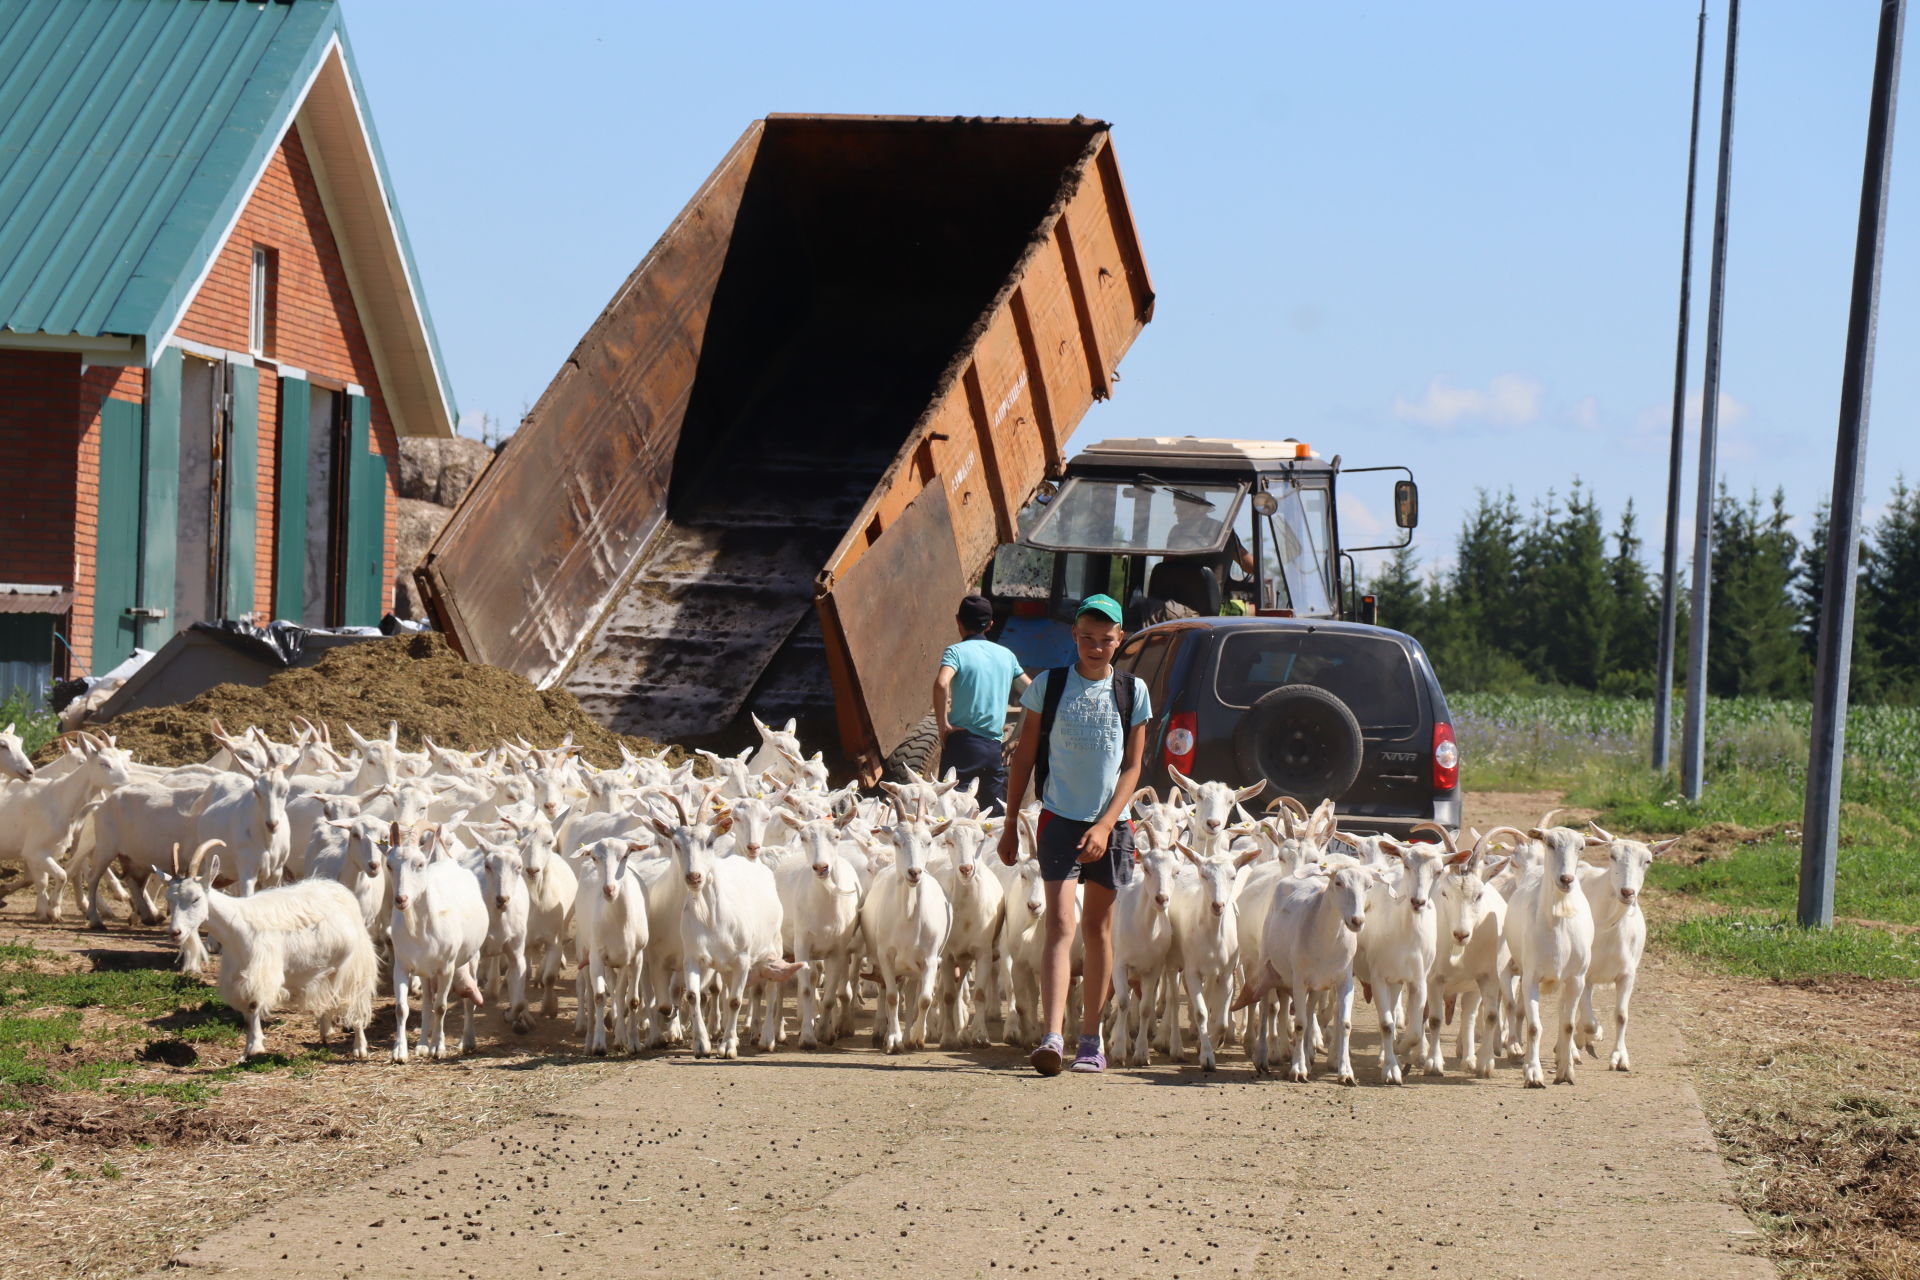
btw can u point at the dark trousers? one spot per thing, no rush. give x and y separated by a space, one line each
971 756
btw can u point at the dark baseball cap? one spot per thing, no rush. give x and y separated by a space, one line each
976 613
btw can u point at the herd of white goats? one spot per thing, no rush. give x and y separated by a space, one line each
682 902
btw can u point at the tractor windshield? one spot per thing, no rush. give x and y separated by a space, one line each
1141 516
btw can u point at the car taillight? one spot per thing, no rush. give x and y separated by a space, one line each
1181 740
1446 758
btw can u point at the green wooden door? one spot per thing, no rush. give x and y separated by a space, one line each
365 586
160 500
290 502
241 495
116 579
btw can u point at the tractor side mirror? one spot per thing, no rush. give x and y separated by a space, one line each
1406 503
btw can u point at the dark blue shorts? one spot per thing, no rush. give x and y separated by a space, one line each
1059 852
971 756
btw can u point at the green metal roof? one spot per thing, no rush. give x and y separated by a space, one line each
131 132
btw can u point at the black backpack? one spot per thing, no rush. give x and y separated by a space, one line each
1122 687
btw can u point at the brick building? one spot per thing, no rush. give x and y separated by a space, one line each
211 328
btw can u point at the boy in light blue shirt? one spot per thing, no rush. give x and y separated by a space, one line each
970 704
1088 775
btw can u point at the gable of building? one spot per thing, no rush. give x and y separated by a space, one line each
133 134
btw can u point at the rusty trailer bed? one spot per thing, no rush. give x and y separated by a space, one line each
802 425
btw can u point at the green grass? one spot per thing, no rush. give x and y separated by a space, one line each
145 992
1595 749
43 1045
1768 945
1870 883
33 722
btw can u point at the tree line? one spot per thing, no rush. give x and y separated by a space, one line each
1547 597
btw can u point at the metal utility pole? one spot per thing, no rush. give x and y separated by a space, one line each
1820 823
1669 569
1693 743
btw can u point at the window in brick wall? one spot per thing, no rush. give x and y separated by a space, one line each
260 302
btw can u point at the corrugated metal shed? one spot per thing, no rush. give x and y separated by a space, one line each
131 134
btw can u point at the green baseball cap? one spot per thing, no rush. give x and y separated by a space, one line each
1106 606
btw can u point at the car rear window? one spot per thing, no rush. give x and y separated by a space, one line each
1373 676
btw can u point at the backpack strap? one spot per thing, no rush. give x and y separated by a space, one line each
1123 692
1049 708
1124 688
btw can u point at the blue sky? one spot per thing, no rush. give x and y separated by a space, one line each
1442 236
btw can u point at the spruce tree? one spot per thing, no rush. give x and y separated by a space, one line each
1399 595
1634 653
1890 608
1810 579
1572 599
1754 647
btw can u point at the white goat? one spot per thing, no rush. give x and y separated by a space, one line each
503 882
729 929
1307 948
302 941
13 756
41 816
1143 952
612 918
906 919
1022 943
1212 802
1467 963
1550 938
967 964
1397 949
776 748
1206 936
552 889
438 927
1619 935
142 821
820 893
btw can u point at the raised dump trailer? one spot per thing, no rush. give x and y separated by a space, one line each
798 432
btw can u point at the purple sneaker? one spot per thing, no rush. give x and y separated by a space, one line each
1089 1060
1046 1059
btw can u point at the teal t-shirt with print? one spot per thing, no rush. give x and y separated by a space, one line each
1087 743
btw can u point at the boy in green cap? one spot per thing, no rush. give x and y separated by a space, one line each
1083 735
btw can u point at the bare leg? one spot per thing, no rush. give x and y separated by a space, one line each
1096 935
1056 964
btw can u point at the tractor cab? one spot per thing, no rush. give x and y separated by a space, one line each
1181 528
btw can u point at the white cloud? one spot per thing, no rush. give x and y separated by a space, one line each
1658 421
1357 523
1508 400
1585 414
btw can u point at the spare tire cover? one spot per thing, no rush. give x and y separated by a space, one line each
1303 740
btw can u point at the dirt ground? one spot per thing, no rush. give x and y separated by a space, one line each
847 1162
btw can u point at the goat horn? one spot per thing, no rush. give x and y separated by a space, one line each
1546 819
193 867
1601 831
1446 837
176 859
1486 840
1299 810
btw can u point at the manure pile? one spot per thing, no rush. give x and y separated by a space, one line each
416 680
